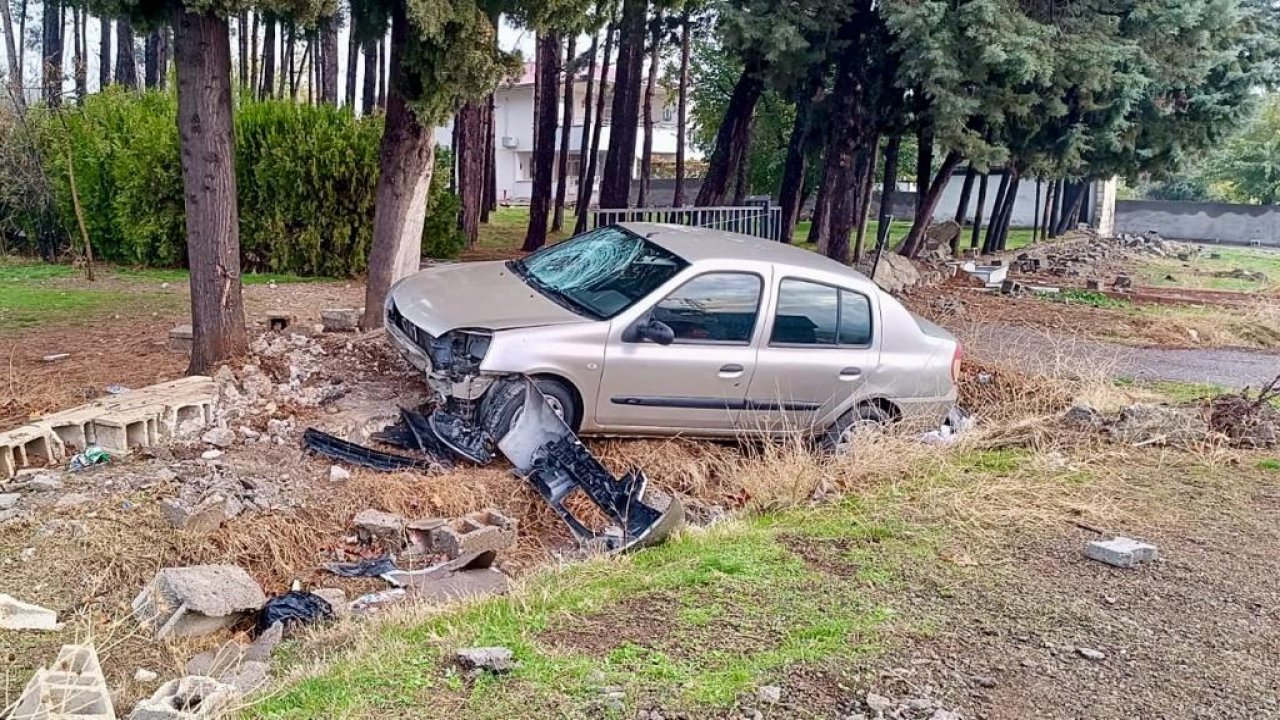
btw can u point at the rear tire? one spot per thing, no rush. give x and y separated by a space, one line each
838 439
505 401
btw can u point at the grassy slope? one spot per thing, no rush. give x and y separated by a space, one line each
1199 272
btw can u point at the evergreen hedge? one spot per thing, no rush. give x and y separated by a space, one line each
306 179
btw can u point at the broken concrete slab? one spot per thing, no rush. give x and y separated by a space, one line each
9 500
419 532
341 319
72 689
18 615
337 599
474 533
486 659
468 577
206 516
197 600
219 437
180 338
1121 552
375 525
188 698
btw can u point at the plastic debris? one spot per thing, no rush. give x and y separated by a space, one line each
116 389
294 608
374 567
365 602
92 455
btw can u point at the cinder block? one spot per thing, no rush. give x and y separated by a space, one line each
73 689
180 339
341 319
474 533
18 615
119 432
1121 552
197 600
188 698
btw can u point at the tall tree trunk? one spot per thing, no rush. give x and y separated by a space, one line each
253 52
469 153
1035 214
383 64
884 221
1050 205
290 63
51 59
682 116
588 185
104 54
1006 218
619 163
588 105
406 159
151 61
242 43
651 82
1077 203
166 53
353 63
978 212
846 142
791 190
490 162
868 172
742 178
79 62
268 86
207 143
821 217
924 161
914 241
126 59
369 87
732 138
329 69
966 193
1074 198
566 127
988 244
544 147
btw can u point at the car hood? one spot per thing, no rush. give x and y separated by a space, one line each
475 295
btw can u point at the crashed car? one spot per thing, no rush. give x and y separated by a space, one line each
641 329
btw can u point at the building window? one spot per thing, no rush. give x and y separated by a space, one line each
525 162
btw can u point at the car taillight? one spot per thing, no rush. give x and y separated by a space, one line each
955 363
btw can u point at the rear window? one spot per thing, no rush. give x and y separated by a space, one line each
811 313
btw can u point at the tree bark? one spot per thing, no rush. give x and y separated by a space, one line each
329 68
892 151
104 54
566 127
966 193
253 53
619 163
846 143
383 65
544 148
207 143
242 47
588 104
126 60
588 186
868 172
818 224
1035 213
742 178
490 160
651 82
791 190
1050 205
682 117
1071 209
78 59
978 212
1010 202
268 87
733 136
353 62
151 61
914 241
369 88
290 84
51 47
469 156
924 161
406 159
987 244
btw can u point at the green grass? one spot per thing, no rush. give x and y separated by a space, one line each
1269 464
1088 297
1198 272
736 606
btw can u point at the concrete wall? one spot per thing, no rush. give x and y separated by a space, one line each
1207 222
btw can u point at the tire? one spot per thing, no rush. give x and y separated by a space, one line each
504 402
836 436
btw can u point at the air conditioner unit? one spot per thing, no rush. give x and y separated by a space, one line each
510 142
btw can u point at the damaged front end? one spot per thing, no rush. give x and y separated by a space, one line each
544 450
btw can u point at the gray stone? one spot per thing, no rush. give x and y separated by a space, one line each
486 659
188 698
337 473
896 273
375 525
44 482
771 694
18 615
144 675
337 599
1121 552
340 319
878 703
9 500
197 600
1091 654
180 339
474 533
211 454
206 516
944 715
220 437
71 500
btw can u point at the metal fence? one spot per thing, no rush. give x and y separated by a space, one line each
760 221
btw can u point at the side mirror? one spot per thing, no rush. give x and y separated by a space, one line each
656 331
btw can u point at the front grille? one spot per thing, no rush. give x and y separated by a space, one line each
417 335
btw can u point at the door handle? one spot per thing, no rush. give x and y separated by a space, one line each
733 370
850 374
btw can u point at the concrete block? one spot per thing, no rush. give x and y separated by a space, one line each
1121 552
188 698
341 319
420 535
337 599
197 600
121 431
180 338
375 525
72 689
486 659
18 615
475 533
280 321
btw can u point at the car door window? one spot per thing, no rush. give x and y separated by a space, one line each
713 308
807 314
855 318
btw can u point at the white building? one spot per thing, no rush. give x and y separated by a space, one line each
514 120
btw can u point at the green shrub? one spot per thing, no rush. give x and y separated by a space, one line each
306 179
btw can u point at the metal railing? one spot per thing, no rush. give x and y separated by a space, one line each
760 221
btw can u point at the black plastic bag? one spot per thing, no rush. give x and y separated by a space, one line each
294 608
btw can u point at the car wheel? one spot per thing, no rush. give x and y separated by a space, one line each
505 402
839 438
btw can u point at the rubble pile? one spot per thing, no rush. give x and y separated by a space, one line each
1246 421
879 707
1233 418
1090 254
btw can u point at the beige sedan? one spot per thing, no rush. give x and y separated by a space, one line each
640 329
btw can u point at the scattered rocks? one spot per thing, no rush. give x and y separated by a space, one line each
144 675
1242 274
1121 552
486 659
771 694
382 527
1091 654
338 473
188 698
879 707
220 437
18 615
197 600
341 319
896 273
9 500
44 482
208 515
211 454
1144 424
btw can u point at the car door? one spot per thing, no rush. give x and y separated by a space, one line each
697 383
820 347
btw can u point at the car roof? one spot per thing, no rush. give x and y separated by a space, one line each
695 244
